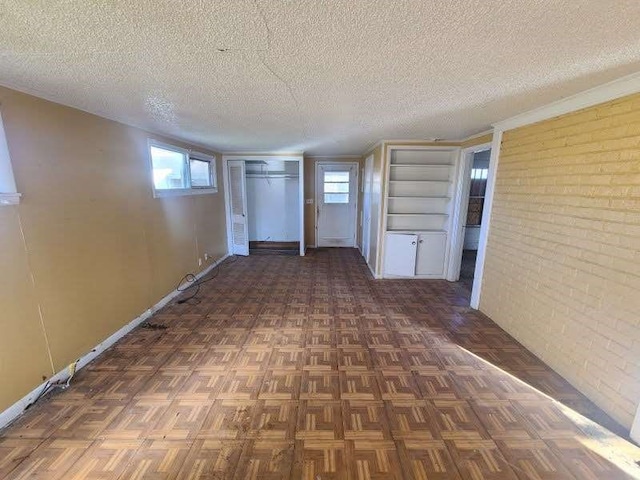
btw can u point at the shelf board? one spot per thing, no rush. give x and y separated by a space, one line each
417 214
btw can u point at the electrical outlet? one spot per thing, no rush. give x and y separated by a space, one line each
200 262
309 201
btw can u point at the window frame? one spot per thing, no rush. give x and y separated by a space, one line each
8 192
348 193
188 155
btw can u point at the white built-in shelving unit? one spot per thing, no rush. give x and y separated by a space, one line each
417 212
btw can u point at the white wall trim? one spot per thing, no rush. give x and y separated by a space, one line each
461 203
609 91
635 427
15 410
486 217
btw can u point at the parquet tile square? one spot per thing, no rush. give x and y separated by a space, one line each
13 451
412 420
372 459
533 459
281 385
359 385
480 460
228 419
181 421
502 420
157 460
265 460
104 460
426 460
320 384
273 420
319 420
306 368
320 359
315 458
136 420
46 417
211 459
365 420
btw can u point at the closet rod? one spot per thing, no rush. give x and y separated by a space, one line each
253 175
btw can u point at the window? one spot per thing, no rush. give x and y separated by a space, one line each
177 171
336 187
476 195
8 193
479 173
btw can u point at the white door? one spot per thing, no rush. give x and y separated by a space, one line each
337 191
238 203
366 207
400 254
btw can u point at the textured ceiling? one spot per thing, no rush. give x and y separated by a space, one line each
322 76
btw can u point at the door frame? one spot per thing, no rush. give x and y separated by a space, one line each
366 252
461 204
262 156
356 166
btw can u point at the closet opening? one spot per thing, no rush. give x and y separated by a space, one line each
273 207
264 205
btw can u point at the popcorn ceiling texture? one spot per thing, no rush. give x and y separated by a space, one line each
562 273
323 76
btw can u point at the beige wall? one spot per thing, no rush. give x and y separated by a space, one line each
477 141
562 271
89 248
310 192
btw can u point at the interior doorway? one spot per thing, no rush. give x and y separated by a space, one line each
477 178
264 199
336 204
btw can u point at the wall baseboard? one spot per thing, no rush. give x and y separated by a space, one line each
15 410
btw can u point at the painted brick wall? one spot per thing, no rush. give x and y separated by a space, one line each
562 271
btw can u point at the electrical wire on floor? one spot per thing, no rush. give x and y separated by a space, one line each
52 385
190 281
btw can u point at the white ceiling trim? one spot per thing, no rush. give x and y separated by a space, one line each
622 87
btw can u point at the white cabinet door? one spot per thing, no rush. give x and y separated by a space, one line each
431 253
400 254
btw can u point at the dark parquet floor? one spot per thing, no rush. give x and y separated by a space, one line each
306 368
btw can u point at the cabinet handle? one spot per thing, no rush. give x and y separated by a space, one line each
421 241
413 243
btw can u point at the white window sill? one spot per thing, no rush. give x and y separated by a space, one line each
7 199
183 192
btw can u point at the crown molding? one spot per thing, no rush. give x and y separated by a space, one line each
621 87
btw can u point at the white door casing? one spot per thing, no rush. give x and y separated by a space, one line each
336 203
366 208
238 208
